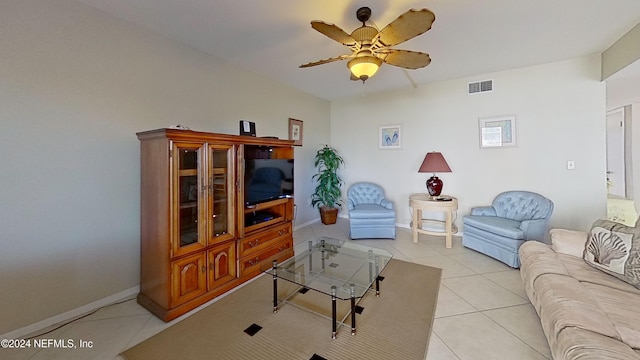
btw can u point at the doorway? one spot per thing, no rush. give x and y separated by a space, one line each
616 153
619 165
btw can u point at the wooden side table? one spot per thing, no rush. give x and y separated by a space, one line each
424 202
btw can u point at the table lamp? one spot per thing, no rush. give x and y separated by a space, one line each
434 162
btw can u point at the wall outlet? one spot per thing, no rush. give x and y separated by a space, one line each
571 165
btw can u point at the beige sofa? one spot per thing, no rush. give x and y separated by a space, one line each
585 313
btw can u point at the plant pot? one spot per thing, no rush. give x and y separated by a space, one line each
328 215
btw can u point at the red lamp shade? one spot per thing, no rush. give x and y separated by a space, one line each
434 162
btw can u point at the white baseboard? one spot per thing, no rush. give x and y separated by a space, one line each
297 227
71 314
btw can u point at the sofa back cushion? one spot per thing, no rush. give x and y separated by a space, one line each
615 249
569 242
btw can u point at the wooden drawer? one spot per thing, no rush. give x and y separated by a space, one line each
253 244
278 251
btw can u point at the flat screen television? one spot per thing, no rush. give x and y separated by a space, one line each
266 178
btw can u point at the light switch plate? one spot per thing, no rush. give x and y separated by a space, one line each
571 165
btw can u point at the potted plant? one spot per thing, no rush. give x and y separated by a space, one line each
327 196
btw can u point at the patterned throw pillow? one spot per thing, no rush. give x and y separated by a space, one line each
615 249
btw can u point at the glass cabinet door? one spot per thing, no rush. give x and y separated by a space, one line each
187 191
221 193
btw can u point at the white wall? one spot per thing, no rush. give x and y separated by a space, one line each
76 85
560 111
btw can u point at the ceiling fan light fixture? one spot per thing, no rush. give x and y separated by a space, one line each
364 67
371 47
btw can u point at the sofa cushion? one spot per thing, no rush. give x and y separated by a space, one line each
569 242
569 304
620 307
585 313
581 271
560 300
576 343
615 249
496 225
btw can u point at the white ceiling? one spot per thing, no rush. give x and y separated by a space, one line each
469 37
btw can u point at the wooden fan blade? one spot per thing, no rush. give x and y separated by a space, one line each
406 26
404 58
325 61
334 32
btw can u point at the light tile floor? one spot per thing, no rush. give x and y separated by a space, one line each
482 313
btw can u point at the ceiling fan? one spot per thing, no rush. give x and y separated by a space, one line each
370 47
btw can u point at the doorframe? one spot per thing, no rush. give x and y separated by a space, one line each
627 148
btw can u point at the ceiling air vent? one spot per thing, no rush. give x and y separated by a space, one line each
480 87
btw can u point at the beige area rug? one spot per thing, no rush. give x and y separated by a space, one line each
396 325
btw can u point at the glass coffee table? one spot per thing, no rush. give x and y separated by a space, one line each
342 270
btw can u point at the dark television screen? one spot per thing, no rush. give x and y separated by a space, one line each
267 179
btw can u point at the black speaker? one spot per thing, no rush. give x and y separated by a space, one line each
247 128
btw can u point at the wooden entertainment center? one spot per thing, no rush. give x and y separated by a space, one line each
198 236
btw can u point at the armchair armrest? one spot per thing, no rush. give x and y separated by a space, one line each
386 204
483 211
570 242
350 204
534 229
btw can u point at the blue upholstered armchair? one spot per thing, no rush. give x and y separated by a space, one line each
371 216
513 218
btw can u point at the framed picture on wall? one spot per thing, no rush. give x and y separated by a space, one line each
295 131
390 137
497 131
